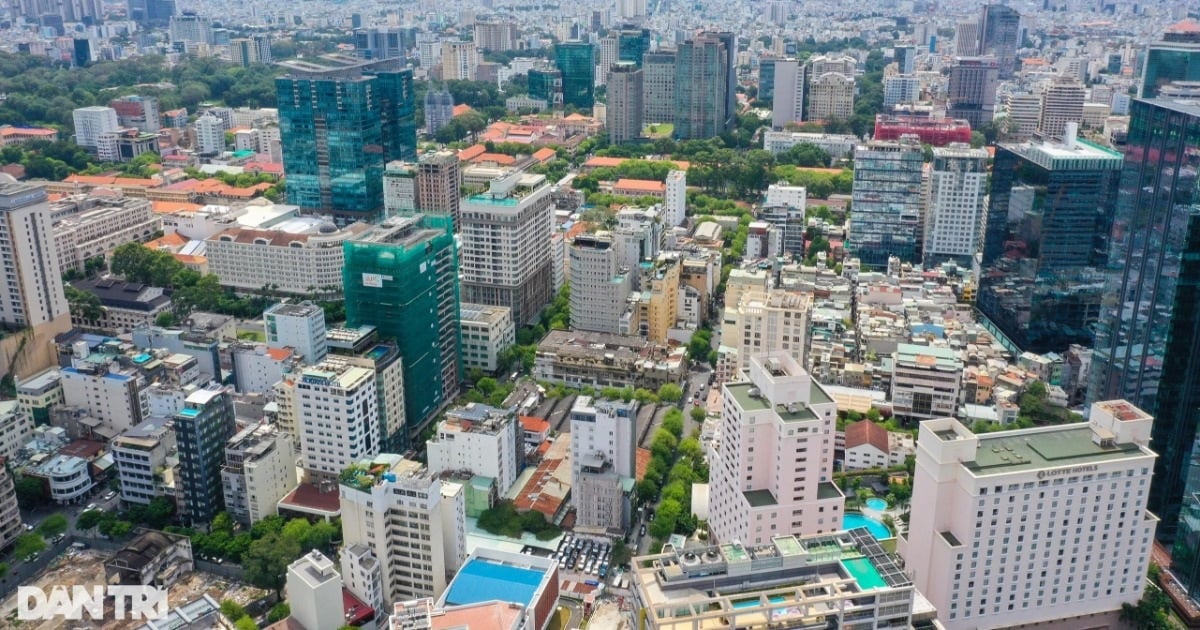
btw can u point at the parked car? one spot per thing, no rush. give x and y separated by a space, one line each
642 531
90 507
110 495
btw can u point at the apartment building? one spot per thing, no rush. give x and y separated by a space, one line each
767 321
925 382
600 284
955 212
260 469
480 439
145 457
486 332
336 417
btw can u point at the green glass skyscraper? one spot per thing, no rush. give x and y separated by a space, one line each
340 121
704 86
546 83
1174 58
632 44
401 277
577 61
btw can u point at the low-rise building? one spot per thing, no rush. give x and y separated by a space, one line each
260 469
578 358
94 224
925 382
869 445
145 458
152 559
39 394
300 256
124 305
486 332
16 428
69 478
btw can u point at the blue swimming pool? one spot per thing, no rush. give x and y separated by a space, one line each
481 580
751 603
877 529
875 503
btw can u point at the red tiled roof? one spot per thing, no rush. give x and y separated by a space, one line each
461 109
544 155
867 432
534 425
471 152
641 463
498 158
309 496
640 185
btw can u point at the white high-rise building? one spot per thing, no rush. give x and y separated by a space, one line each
773 475
33 293
603 454
785 195
1062 103
138 453
259 470
675 200
624 108
956 207
627 9
1045 526
92 122
788 103
600 283
314 592
459 61
481 439
767 321
300 327
609 54
210 135
413 522
901 88
336 416
399 188
830 96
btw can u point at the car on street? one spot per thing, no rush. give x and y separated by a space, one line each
111 495
642 531
28 527
90 507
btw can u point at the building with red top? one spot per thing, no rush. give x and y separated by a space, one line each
938 132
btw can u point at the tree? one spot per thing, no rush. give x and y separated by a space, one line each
232 610
28 544
673 423
665 518
267 560
279 612
89 519
165 319
54 525
670 392
31 492
698 414
245 623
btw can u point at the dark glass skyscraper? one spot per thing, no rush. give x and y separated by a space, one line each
1046 241
202 427
340 121
1176 57
577 61
886 202
703 76
1000 36
632 44
1147 346
546 83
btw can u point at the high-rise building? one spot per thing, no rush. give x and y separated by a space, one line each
625 103
337 417
1062 103
298 326
412 521
546 83
674 206
202 428
972 94
248 51
702 77
1000 37
658 86
979 544
191 28
330 111
93 122
925 382
1176 57
481 439
760 487
137 454
1046 241
1024 112
603 453
765 321
788 84
34 295
10 514
439 110
438 183
389 42
901 89
956 205
140 112
629 9
496 35
577 62
459 61
830 97
210 135
906 58
766 79
401 278
399 188
151 13
887 202
260 469
600 284
1147 324
506 246
632 44
606 58
966 39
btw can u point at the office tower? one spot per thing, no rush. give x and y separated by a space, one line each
957 205
1000 37
83 52
484 440
1046 241
91 123
603 453
439 110
887 202
766 79
1147 325
34 295
191 28
1062 103
400 277
247 51
495 35
336 405
767 321
760 488
630 9
822 64
898 89
925 382
385 42
411 521
429 49
1175 57
202 427
547 84
674 206
297 326
789 82
210 135
314 593
151 13
966 39
702 71
140 112
399 188
632 44
1033 526
577 62
330 108
606 58
1024 113
830 97
624 111
658 86
506 246
260 469
459 60
600 283
438 182
906 58
972 94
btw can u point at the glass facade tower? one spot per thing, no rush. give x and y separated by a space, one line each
1174 58
887 202
577 61
702 81
632 44
1148 339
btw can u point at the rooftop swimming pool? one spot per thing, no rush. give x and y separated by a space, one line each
854 521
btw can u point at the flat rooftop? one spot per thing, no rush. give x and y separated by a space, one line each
1021 450
484 580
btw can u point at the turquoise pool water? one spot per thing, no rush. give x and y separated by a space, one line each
864 573
480 581
875 503
751 603
877 529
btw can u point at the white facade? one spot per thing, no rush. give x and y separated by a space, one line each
787 105
416 530
140 455
300 327
91 122
785 195
257 368
337 417
925 381
480 439
898 89
16 428
68 477
772 475
399 188
459 60
956 209
830 97
600 283
675 201
767 321
299 262
837 146
33 294
260 469
110 396
86 226
486 331
314 592
362 574
605 430
210 135
1033 526
1062 103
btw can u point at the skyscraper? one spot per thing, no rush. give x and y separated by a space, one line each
702 72
603 454
632 44
247 51
459 60
91 123
202 427
1176 57
137 111
33 295
340 121
624 111
577 62
438 183
600 284
972 94
401 278
439 110
658 86
887 202
789 82
1062 103
1046 241
1147 329
1000 36
546 83
956 207
191 28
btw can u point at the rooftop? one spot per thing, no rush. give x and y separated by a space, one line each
303 309
487 579
1046 447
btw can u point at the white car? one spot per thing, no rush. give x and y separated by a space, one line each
90 507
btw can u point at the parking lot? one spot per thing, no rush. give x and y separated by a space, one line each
584 556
